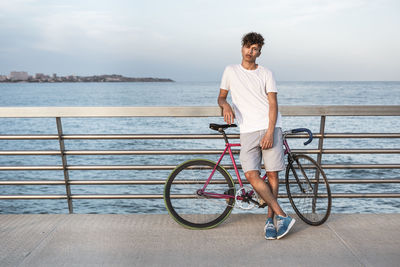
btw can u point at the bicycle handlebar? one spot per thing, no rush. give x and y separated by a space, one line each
221 127
299 130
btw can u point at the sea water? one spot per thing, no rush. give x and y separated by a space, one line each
182 94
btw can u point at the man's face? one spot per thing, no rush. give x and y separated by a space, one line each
251 52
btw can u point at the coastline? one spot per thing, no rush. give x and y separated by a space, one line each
76 79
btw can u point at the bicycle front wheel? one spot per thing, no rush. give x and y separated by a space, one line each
185 201
308 189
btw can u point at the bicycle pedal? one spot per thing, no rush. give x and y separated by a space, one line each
261 206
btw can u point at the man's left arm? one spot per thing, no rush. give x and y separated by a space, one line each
268 139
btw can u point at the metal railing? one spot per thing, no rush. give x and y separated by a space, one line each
82 112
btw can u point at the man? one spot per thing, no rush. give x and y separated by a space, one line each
255 107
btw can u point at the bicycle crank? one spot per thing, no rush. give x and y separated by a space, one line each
245 198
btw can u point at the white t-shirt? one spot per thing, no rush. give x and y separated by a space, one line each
249 90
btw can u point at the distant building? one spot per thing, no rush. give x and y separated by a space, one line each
19 76
39 76
3 78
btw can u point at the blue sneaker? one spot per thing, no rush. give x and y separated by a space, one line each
270 230
284 224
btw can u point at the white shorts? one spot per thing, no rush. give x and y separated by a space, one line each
251 152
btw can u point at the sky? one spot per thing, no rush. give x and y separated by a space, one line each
307 40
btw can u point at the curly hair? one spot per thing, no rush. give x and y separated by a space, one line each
252 38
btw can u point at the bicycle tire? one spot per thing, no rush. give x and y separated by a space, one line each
313 211
194 211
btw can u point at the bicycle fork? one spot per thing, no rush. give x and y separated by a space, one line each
302 189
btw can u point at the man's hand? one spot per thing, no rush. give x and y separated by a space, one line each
268 140
228 114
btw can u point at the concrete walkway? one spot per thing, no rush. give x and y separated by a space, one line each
156 240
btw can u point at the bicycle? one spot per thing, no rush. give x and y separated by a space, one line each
200 193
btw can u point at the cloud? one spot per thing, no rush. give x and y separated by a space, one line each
69 28
76 30
16 5
98 32
292 12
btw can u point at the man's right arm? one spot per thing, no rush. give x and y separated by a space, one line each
227 111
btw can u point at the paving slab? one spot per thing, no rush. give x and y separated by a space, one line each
373 239
21 234
157 240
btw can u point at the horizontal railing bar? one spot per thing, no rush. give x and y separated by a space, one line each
119 182
355 195
31 168
87 182
118 136
33 197
155 196
148 136
360 166
171 167
358 135
183 152
349 151
366 195
147 152
192 111
29 152
117 196
340 110
348 135
122 167
62 112
364 181
336 195
33 182
187 136
159 196
28 137
218 136
218 181
162 182
209 151
355 151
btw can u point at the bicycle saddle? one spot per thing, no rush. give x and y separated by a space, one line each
221 127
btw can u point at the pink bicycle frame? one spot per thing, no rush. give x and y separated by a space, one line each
228 147
215 195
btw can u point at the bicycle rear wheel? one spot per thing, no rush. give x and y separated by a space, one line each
187 206
308 189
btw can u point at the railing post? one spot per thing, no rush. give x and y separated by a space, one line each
319 158
321 140
64 163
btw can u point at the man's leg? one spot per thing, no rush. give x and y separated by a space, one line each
274 161
273 181
264 191
250 158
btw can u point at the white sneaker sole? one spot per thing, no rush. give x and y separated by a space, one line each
288 229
